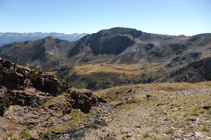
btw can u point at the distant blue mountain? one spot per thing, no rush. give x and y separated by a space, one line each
9 37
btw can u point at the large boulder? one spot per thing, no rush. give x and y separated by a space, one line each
83 99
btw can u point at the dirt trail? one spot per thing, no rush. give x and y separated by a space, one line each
158 123
122 125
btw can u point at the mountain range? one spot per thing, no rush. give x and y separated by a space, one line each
126 56
9 37
45 104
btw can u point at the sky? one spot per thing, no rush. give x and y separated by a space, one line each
172 17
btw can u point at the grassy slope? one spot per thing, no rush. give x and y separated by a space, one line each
161 116
98 76
119 68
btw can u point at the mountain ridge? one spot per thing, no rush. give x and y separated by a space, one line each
10 37
156 56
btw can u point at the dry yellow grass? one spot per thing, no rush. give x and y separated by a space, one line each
154 89
161 111
119 68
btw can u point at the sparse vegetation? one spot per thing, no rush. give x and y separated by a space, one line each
25 135
170 131
15 138
170 89
181 123
205 127
163 104
78 117
116 103
192 112
59 98
10 134
145 135
208 112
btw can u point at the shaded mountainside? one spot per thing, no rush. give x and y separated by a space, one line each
112 53
46 53
30 99
195 71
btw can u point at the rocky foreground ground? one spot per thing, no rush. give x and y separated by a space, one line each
35 105
157 111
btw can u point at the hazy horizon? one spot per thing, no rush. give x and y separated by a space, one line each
42 32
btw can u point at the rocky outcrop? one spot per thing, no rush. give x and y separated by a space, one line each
195 71
83 99
16 77
28 87
31 99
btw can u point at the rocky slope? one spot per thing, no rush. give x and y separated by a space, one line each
130 46
33 104
157 111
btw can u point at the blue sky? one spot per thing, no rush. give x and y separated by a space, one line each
174 17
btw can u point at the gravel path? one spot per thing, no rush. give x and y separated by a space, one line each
137 122
194 92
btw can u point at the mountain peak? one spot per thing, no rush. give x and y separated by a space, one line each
48 37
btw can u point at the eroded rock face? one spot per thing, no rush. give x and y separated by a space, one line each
48 83
26 87
195 71
27 97
16 77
